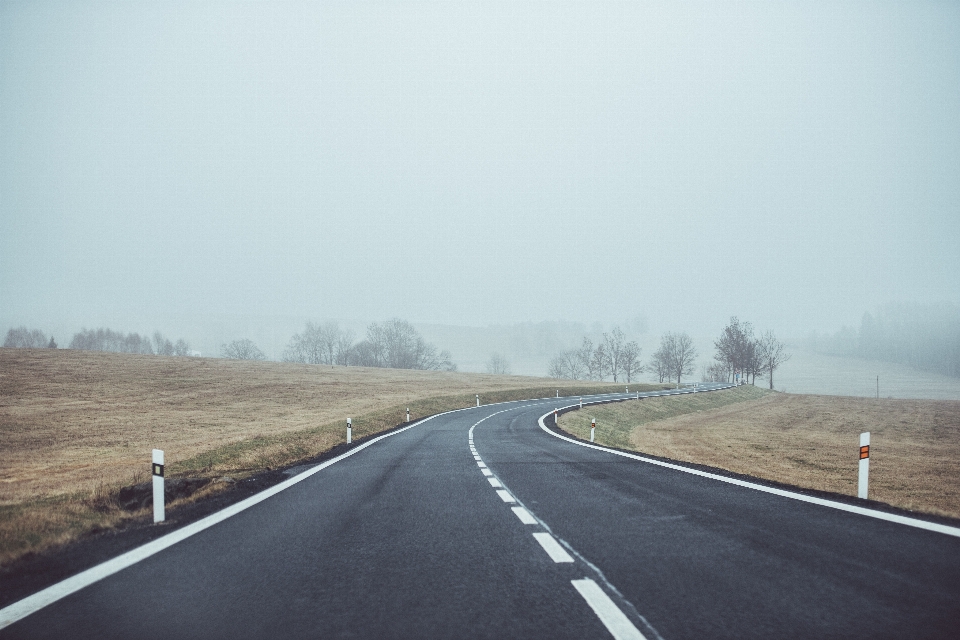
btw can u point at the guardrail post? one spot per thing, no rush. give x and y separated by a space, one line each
159 514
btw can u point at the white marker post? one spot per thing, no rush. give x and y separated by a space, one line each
478 399
408 414
158 507
864 465
556 418
558 393
349 430
593 427
626 389
581 403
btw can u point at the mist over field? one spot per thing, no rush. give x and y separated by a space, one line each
510 177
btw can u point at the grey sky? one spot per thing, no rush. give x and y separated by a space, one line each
478 162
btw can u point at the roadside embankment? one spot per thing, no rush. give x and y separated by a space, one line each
808 441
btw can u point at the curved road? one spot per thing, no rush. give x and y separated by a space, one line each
480 523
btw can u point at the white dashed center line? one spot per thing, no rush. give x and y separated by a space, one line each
552 547
609 613
612 617
524 515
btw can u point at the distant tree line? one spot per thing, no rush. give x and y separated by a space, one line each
394 344
23 338
118 342
738 351
613 356
925 337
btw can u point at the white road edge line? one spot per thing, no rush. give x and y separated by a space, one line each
553 548
494 483
505 495
880 515
609 613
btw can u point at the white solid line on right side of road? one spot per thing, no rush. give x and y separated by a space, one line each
553 548
610 614
841 506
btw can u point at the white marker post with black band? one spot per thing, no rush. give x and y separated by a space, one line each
349 430
408 414
158 510
864 475
593 427
478 399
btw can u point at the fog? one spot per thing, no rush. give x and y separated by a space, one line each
217 168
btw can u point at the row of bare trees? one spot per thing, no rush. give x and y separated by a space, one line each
23 338
395 344
613 356
739 352
118 342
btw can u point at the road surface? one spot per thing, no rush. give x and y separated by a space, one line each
480 523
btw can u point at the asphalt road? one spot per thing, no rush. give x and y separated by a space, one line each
413 537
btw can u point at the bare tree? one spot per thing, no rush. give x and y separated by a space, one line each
680 352
772 354
161 345
23 338
630 361
660 362
613 345
498 364
182 348
567 365
734 346
715 372
52 344
599 363
243 349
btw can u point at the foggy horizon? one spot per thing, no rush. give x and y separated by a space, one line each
477 164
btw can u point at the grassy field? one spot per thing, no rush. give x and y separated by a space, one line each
805 440
77 426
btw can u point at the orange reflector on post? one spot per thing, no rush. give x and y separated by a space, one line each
865 452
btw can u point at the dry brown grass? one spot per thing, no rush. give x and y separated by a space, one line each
804 440
76 426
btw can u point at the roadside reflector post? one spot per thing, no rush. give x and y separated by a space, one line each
556 418
408 414
159 514
558 393
626 389
593 427
581 403
864 465
478 399
349 430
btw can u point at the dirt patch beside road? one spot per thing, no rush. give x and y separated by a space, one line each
804 440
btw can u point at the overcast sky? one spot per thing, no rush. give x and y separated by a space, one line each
462 162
